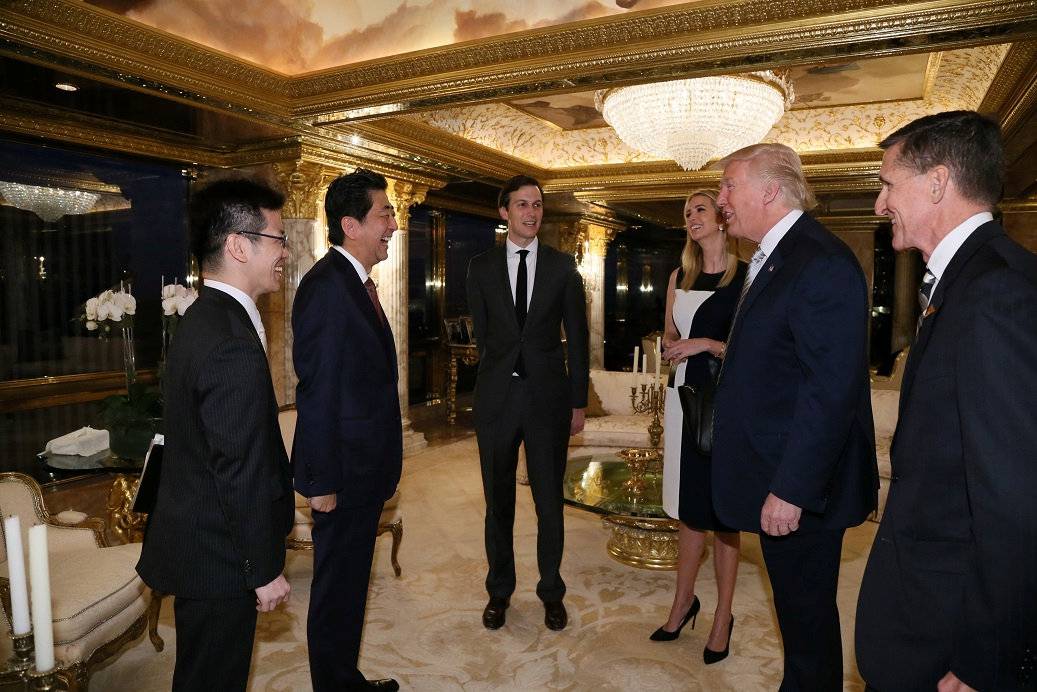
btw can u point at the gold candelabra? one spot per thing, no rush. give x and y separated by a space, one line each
652 400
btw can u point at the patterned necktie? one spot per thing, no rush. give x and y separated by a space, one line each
755 263
925 292
520 289
372 293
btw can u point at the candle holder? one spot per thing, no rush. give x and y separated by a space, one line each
21 659
42 681
652 400
638 460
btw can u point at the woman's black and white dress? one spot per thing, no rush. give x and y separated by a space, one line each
704 311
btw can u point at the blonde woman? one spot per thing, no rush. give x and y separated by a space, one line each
700 302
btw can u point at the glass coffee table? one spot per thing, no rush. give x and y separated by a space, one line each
628 493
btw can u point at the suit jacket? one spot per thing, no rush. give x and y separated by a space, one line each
557 300
951 582
224 503
349 434
792 413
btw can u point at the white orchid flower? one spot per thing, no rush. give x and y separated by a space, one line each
185 303
91 310
91 325
129 304
115 312
169 305
104 310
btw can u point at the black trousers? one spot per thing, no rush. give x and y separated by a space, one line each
214 640
546 447
343 545
804 574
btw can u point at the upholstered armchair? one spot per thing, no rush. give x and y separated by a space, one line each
99 602
300 538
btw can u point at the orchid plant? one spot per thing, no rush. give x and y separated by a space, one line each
175 301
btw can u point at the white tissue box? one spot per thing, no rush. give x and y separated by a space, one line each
83 442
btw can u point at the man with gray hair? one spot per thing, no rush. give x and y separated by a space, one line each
793 445
949 597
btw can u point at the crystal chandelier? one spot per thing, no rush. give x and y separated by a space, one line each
48 203
692 121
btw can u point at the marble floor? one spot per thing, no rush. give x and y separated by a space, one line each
424 627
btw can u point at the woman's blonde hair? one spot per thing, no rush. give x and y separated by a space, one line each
691 256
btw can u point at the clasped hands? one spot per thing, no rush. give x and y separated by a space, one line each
679 350
779 518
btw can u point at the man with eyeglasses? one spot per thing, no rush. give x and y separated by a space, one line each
348 449
216 536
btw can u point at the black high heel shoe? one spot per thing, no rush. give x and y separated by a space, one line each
709 656
662 635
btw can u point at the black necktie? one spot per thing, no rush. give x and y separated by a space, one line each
520 307
520 289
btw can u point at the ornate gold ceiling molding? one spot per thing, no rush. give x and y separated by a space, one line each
687 40
125 52
435 144
1013 95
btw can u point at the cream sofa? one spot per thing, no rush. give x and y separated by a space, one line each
610 419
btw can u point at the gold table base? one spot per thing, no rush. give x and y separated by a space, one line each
642 542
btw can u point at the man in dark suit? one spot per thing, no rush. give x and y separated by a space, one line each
793 448
216 536
520 295
949 596
348 449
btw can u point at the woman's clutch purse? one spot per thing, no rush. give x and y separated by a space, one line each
697 404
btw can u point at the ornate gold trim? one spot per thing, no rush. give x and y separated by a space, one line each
1013 93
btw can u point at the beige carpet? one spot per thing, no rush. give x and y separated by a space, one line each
424 628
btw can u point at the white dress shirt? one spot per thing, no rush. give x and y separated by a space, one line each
945 250
246 302
772 237
354 261
513 264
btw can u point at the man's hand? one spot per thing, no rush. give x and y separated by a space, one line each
322 503
779 518
576 427
268 597
951 683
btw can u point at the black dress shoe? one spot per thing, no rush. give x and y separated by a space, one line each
555 616
493 614
664 635
709 656
383 685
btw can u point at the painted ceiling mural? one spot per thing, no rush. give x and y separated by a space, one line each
296 36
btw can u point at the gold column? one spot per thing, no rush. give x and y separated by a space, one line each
596 239
392 280
304 184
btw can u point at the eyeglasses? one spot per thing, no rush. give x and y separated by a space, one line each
283 239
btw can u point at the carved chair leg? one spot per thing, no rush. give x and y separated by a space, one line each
154 608
397 536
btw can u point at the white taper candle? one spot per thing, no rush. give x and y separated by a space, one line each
39 573
16 572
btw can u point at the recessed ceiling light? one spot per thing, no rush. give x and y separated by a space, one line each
66 86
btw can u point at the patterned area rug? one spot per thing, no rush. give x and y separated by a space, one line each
424 628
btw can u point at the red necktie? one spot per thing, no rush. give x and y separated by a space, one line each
372 293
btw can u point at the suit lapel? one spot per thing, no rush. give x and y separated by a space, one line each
358 292
543 264
232 306
980 237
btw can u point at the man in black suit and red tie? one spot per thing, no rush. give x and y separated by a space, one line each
348 447
794 441
216 536
521 294
949 597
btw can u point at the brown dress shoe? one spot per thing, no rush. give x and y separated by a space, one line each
555 616
493 614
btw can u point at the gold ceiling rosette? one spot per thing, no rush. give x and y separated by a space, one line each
693 121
